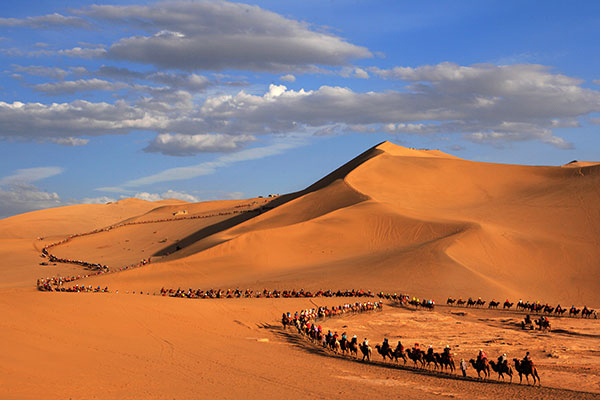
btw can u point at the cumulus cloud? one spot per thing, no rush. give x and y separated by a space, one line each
354 72
80 85
70 141
189 82
18 195
83 52
96 200
288 78
18 198
487 103
169 194
39 70
48 21
210 35
188 145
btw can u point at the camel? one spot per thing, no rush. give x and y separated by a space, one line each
335 346
460 302
399 353
508 304
542 324
387 352
471 302
526 369
587 312
353 348
494 304
573 312
450 301
445 361
345 345
285 321
416 356
367 351
479 302
481 365
502 369
431 358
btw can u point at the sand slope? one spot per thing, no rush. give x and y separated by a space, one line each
418 221
392 219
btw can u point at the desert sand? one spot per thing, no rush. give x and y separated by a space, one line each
393 219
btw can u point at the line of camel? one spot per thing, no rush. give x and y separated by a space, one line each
305 324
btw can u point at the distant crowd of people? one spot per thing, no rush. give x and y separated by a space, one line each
405 299
51 283
57 283
46 287
248 293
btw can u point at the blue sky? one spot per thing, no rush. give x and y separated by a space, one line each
213 100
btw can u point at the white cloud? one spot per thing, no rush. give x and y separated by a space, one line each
209 167
28 175
96 200
70 141
83 52
169 194
187 145
189 82
48 21
80 85
353 72
288 78
22 197
39 70
521 102
209 35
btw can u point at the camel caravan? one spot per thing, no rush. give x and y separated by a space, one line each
268 294
534 307
306 324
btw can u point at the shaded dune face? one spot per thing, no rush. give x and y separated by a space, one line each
403 219
393 218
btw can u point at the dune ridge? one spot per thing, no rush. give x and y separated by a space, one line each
410 219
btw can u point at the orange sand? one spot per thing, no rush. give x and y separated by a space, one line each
393 219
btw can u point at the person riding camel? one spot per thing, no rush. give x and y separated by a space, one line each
399 348
527 360
502 359
354 340
430 351
385 346
416 347
481 356
365 343
446 352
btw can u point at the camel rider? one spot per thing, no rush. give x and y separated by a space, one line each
446 352
502 359
365 343
430 351
527 360
481 356
354 339
399 348
385 346
416 348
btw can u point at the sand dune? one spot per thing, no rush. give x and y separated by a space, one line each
392 219
412 220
